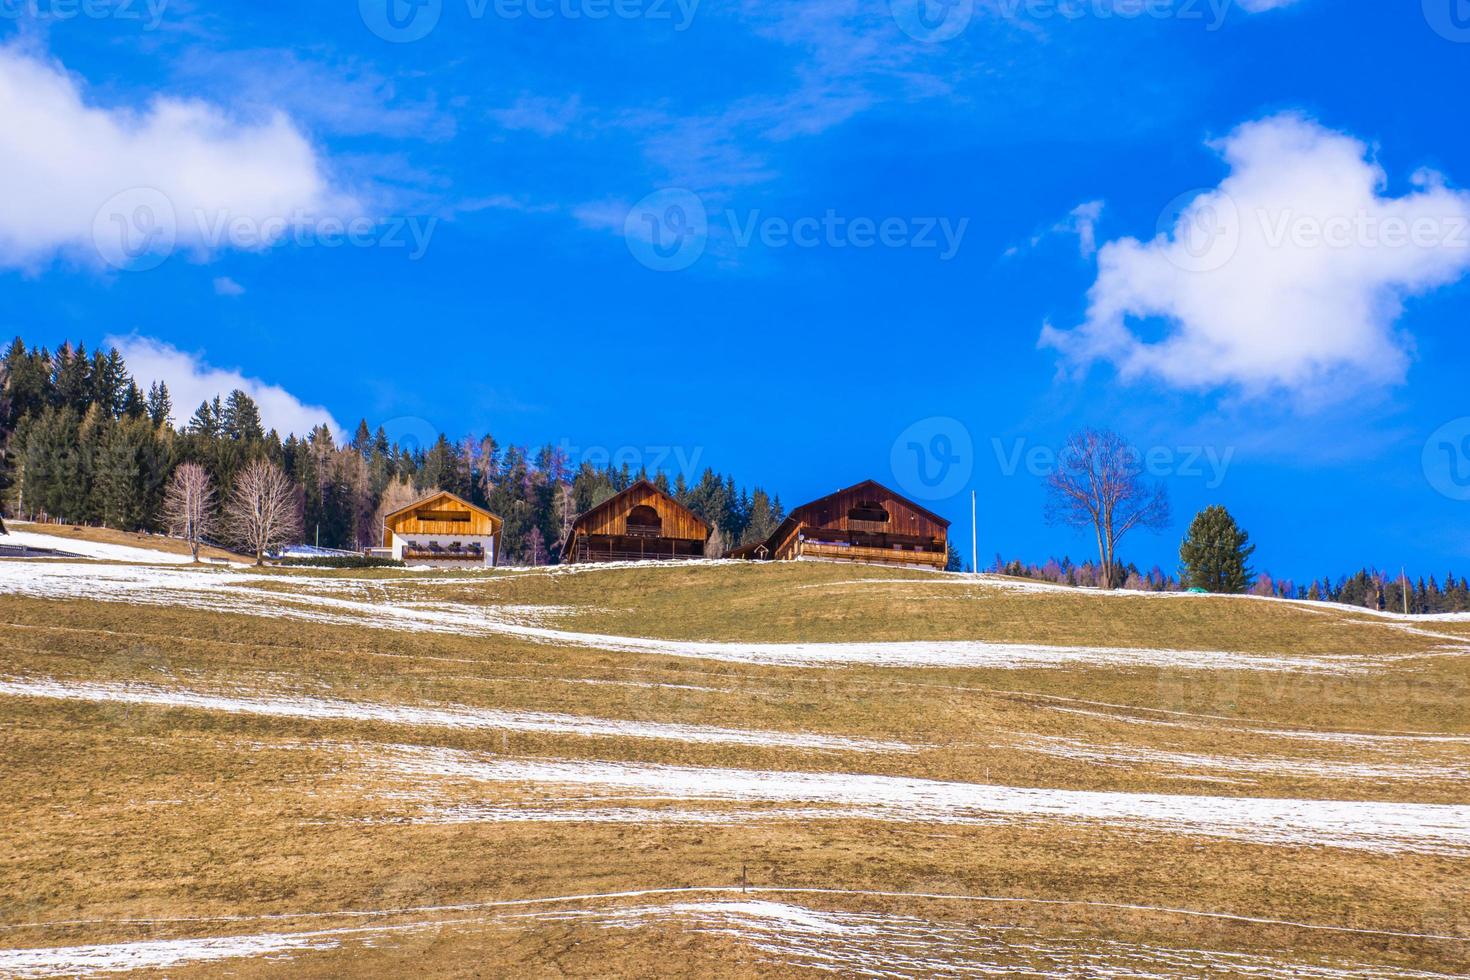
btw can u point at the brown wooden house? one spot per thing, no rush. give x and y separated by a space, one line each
866 522
640 524
442 530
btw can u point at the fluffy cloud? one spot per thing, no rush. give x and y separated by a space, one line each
191 381
77 176
1290 275
225 286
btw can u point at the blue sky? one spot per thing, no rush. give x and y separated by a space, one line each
1176 219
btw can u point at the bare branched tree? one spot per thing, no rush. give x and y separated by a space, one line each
1098 483
189 505
262 510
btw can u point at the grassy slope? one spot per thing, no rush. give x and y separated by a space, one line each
127 811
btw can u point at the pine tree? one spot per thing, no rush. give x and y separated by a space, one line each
1214 554
240 420
160 405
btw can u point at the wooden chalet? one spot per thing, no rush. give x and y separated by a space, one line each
443 531
640 524
866 522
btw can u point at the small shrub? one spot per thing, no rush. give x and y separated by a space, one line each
341 561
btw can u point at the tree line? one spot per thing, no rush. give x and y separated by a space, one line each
1099 486
82 442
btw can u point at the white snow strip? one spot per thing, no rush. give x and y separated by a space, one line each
1066 748
1368 826
238 593
330 709
835 941
161 954
92 549
887 945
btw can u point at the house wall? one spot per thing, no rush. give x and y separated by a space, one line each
422 520
401 542
902 518
613 520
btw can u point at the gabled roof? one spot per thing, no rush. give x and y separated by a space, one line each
443 495
613 502
875 485
797 515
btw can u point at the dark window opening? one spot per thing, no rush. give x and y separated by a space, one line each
643 521
869 512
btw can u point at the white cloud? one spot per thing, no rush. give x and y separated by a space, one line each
63 162
1290 275
192 381
225 286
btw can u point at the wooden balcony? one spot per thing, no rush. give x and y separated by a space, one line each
886 556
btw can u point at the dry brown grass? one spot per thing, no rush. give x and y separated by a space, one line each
127 812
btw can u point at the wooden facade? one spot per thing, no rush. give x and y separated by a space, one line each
443 529
640 524
866 522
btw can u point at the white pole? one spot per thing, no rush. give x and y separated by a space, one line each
974 537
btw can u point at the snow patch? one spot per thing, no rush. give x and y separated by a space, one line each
330 709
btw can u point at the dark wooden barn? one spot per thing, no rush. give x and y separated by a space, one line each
641 523
866 522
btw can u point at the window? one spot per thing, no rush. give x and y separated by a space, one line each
444 516
644 522
868 512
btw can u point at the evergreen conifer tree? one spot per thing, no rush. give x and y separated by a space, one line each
1214 554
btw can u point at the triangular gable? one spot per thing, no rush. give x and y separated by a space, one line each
495 521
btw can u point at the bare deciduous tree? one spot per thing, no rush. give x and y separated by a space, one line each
262 510
1099 483
189 505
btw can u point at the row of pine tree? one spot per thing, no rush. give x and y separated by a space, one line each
80 441
1215 557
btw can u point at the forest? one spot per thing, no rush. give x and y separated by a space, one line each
82 442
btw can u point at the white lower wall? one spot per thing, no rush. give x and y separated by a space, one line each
486 541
